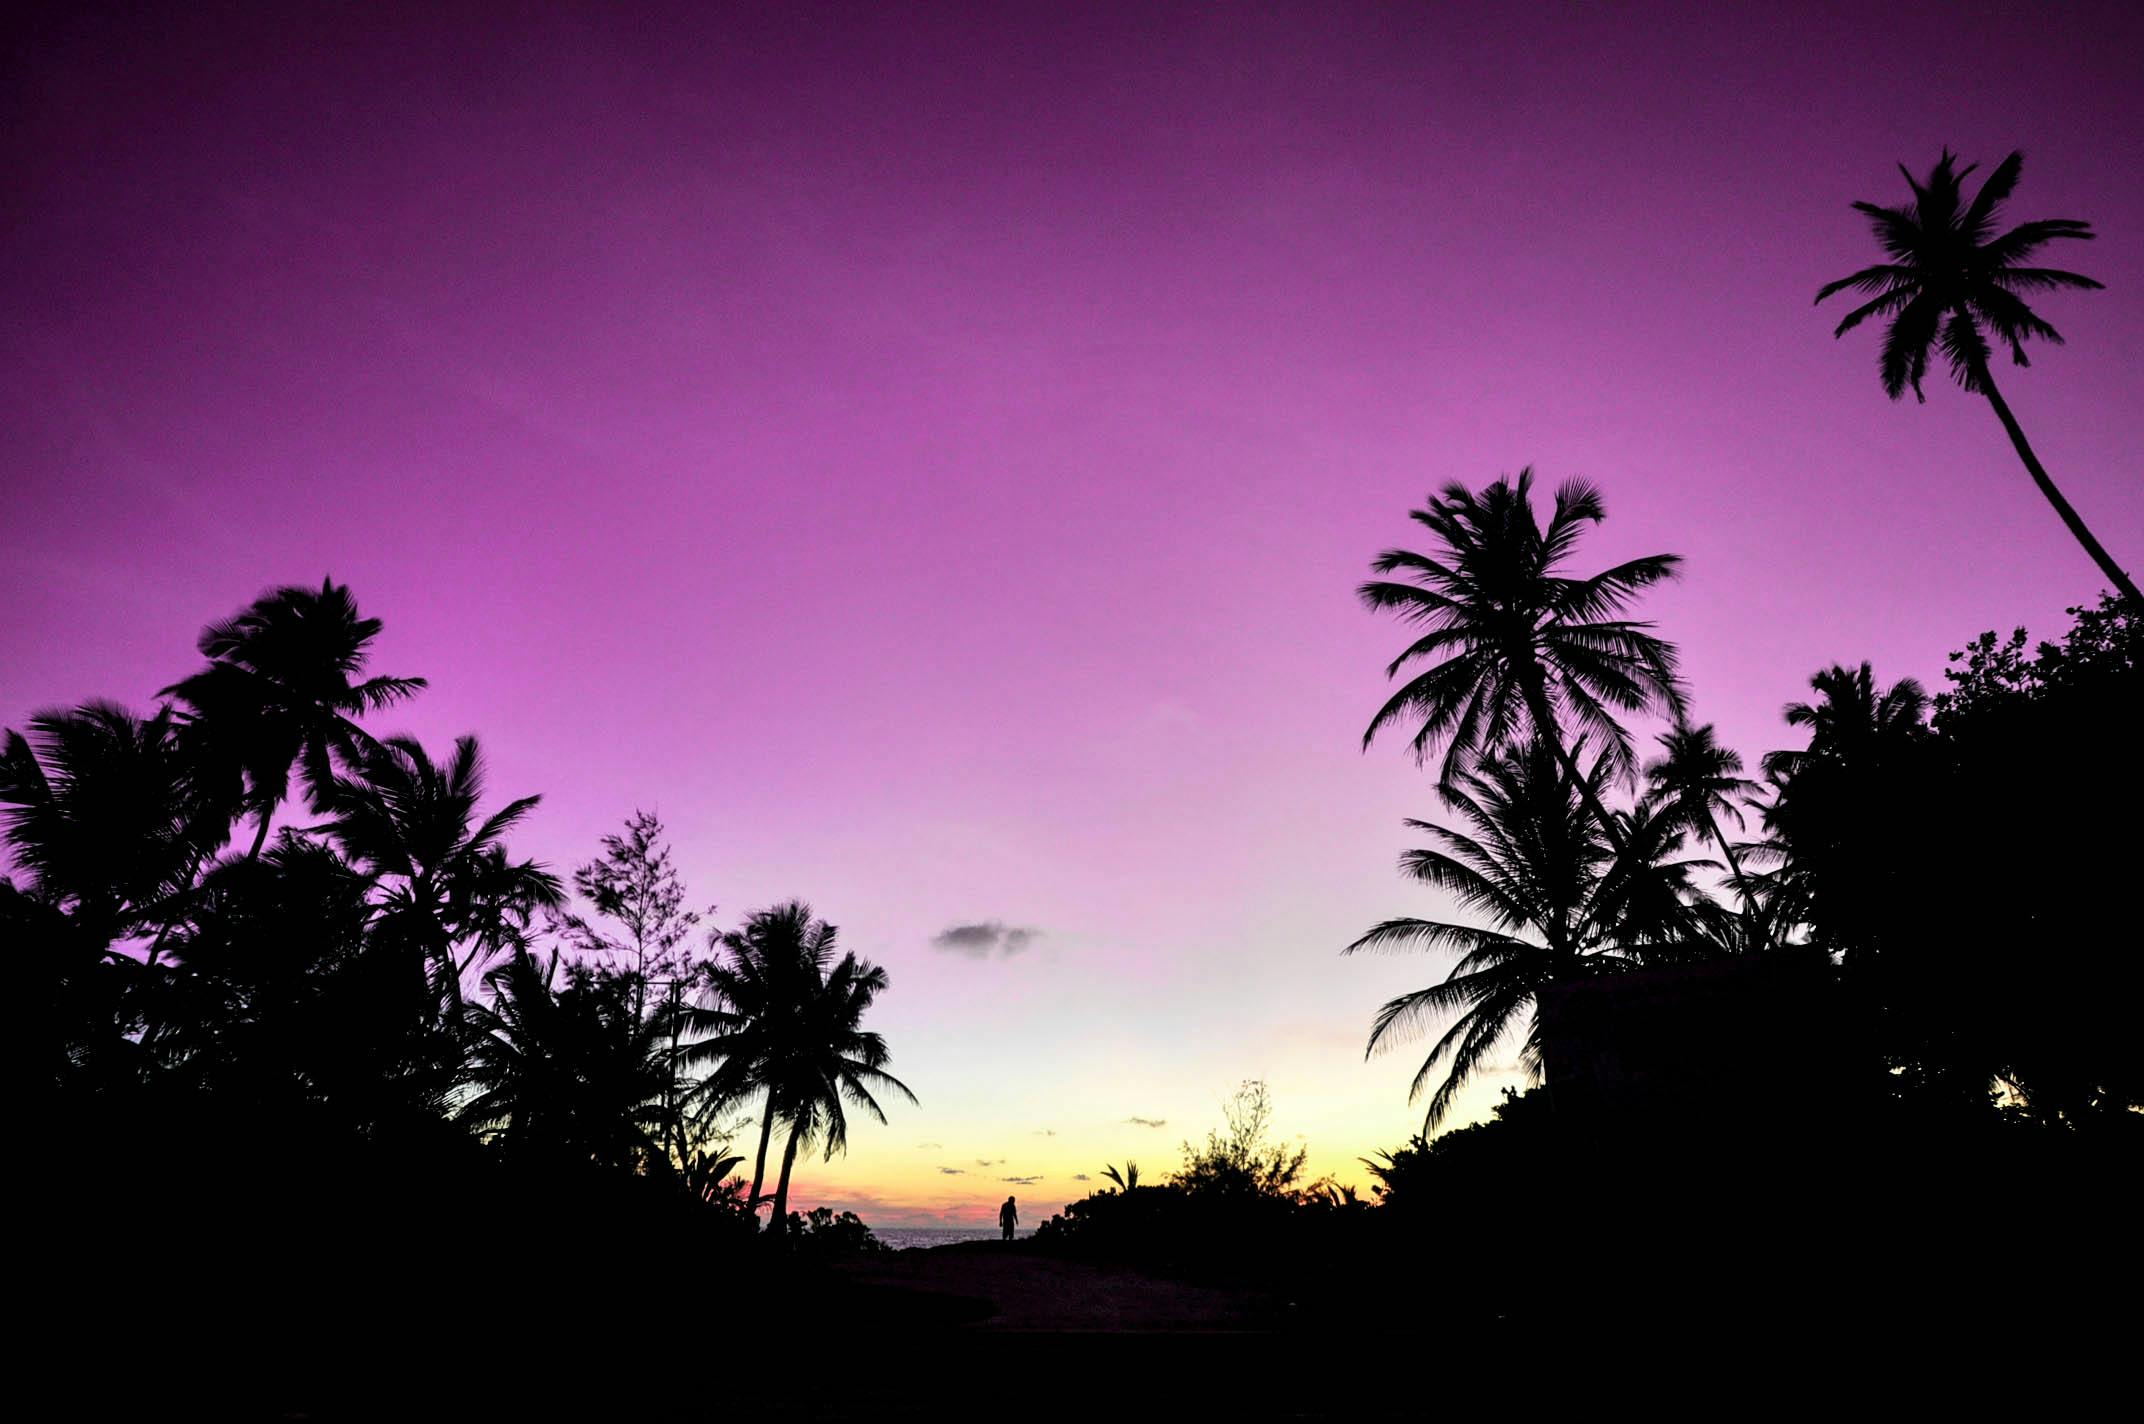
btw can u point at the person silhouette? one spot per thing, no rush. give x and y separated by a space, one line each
1009 1217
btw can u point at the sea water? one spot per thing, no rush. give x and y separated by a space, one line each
917 1238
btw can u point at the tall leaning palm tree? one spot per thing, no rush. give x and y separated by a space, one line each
1521 649
281 691
1951 282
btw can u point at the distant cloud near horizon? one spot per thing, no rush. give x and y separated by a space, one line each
930 1147
985 938
1021 1181
1148 1121
1081 1177
990 1161
954 1171
1045 1132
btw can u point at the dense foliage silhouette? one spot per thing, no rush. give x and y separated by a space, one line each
1920 939
294 1075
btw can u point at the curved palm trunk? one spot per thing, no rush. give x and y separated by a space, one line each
2070 517
759 1164
1545 726
1734 865
780 1221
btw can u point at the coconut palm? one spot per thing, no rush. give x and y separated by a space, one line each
278 693
758 987
269 980
1951 283
567 1072
448 898
103 830
1561 903
1697 782
102 820
1832 820
1851 724
832 1063
1522 652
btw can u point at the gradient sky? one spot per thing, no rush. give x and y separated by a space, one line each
927 453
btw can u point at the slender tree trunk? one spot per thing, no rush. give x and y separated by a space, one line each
640 984
2121 581
1734 865
1545 726
759 1164
673 1106
781 1192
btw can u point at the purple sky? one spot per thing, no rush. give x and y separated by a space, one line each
927 454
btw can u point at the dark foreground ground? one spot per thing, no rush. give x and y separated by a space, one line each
980 1331
984 1286
1899 1283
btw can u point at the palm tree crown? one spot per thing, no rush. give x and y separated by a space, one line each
1520 648
279 692
449 896
1699 783
102 818
1851 723
1559 901
757 988
1952 279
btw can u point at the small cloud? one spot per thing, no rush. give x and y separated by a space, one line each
1046 1132
990 1161
1148 1121
1081 1177
954 1171
1021 1181
930 1147
984 938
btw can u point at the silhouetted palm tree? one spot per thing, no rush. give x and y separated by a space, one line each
1521 648
1697 782
1851 723
102 820
1831 821
568 1073
1950 282
448 897
279 692
833 1061
1560 901
102 826
275 1000
759 988
1127 1179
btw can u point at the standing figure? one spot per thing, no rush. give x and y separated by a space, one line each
1008 1217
